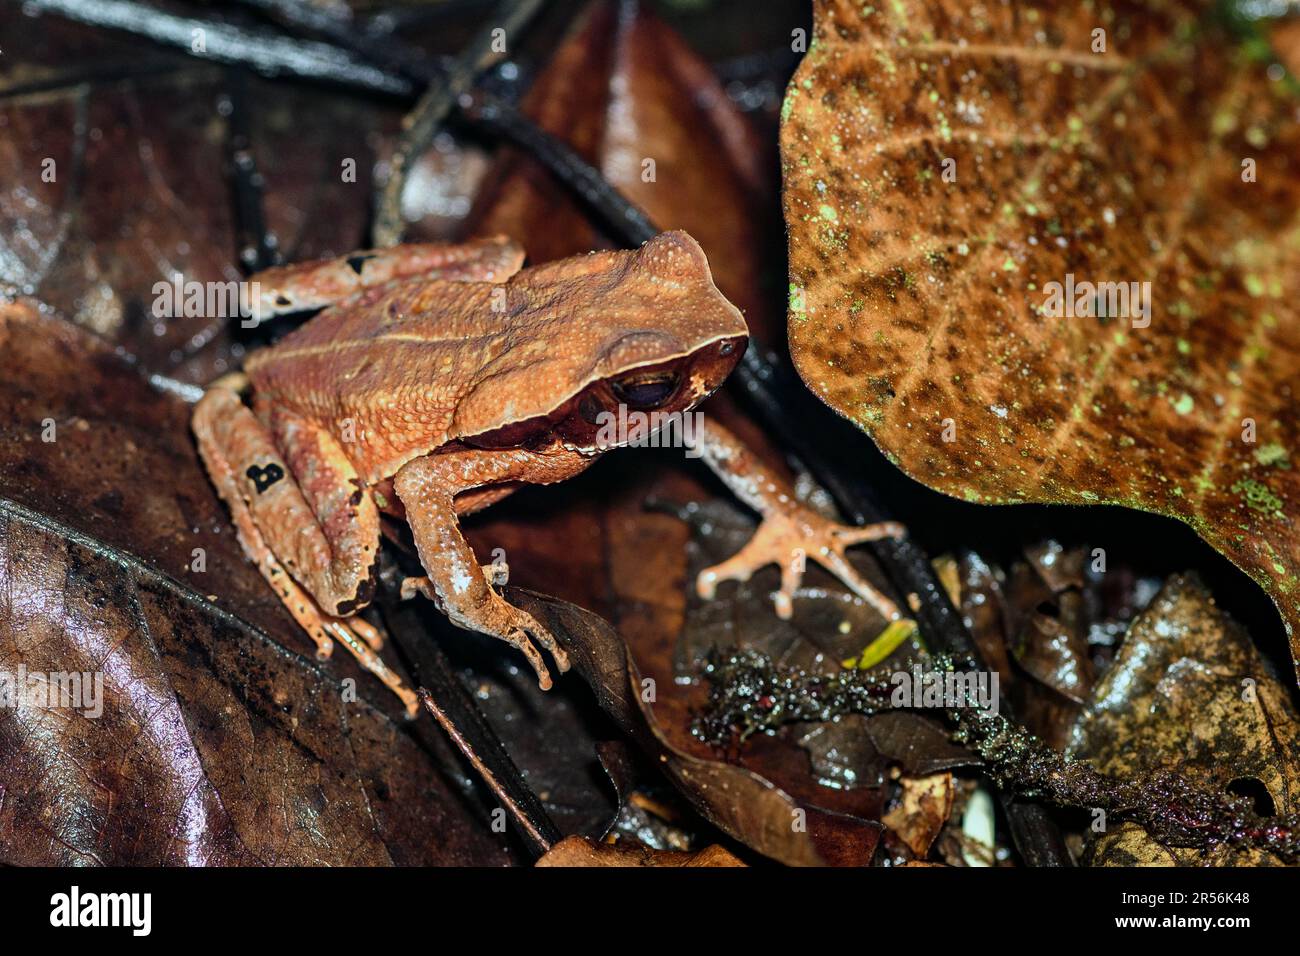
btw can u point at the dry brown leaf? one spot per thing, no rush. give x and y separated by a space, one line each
116 186
917 303
630 96
583 851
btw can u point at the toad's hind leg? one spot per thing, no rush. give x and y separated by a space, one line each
311 285
790 532
319 566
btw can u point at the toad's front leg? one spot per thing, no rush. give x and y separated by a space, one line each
790 532
456 583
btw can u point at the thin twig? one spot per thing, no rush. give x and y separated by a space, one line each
627 220
267 53
445 696
342 29
424 121
258 248
541 839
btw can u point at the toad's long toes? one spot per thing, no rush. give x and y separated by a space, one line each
347 633
848 535
518 637
544 637
788 537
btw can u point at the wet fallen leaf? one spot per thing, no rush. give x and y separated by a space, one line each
583 851
1188 690
1057 616
1048 640
649 811
943 164
220 741
983 607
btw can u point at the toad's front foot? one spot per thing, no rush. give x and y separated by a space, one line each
789 538
498 618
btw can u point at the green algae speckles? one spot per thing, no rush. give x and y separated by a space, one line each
1272 454
1257 496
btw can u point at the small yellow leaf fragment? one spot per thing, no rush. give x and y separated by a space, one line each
884 645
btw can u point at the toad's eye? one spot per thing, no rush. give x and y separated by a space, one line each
645 389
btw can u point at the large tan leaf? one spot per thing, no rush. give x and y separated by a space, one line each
916 303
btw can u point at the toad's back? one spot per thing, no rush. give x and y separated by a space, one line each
395 362
417 363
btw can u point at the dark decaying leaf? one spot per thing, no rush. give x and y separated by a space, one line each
738 801
220 741
649 810
918 301
982 604
1049 622
1188 690
141 185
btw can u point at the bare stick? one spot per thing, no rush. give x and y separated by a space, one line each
422 124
